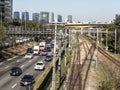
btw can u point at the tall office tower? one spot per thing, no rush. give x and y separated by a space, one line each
59 18
35 17
6 7
51 17
25 15
44 17
69 18
16 15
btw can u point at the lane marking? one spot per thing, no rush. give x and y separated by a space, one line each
29 61
6 67
18 61
1 63
22 66
10 59
14 85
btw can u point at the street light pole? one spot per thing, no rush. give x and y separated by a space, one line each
106 39
65 47
115 40
54 67
97 48
59 64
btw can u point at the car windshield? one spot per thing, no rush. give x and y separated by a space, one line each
39 63
35 49
27 77
48 56
41 46
14 68
28 53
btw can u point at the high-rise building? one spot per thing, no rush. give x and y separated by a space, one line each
25 15
6 10
69 18
59 18
51 17
44 17
35 17
16 15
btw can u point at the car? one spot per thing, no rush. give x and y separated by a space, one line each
29 50
48 58
26 80
15 71
44 53
40 65
57 51
29 55
48 49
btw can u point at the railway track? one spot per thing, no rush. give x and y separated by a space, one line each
107 55
76 80
111 58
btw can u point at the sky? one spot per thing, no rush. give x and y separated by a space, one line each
81 10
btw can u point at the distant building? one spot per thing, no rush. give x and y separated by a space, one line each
51 17
44 17
25 15
35 17
6 7
69 18
16 15
59 18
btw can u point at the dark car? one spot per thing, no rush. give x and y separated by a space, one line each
27 80
15 71
48 58
29 50
44 52
57 51
48 49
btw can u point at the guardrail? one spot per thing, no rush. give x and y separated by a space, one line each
41 79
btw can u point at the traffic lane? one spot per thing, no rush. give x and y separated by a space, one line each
6 78
14 82
20 62
10 60
36 74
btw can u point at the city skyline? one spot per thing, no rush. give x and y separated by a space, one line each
103 10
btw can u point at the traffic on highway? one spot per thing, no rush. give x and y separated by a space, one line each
22 72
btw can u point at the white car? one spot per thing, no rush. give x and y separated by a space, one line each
40 65
29 55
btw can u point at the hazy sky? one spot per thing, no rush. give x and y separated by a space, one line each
81 10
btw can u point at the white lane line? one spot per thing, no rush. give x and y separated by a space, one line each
22 66
29 61
14 85
1 63
6 67
9 59
18 61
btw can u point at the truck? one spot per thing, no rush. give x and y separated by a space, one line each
42 46
36 50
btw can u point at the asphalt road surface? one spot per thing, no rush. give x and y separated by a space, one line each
8 82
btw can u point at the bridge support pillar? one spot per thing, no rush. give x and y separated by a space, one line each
81 30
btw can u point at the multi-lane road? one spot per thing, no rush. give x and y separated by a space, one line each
8 82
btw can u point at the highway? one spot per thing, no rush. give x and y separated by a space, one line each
8 82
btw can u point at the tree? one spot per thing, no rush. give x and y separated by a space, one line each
1 36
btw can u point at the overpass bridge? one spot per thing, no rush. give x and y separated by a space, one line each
38 32
85 25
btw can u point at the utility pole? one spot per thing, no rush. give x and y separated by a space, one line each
59 64
65 47
97 41
54 68
106 39
115 40
101 36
